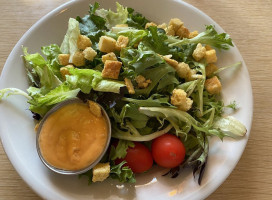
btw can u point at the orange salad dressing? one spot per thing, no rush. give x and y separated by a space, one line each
72 137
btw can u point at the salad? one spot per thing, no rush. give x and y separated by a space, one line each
158 83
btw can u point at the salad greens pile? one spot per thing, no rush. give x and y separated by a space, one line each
149 112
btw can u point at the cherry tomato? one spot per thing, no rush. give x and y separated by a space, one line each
138 158
168 151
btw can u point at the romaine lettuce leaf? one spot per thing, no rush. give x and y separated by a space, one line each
42 69
4 93
87 79
69 44
42 103
114 18
134 35
51 52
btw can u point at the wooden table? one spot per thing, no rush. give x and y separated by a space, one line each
250 26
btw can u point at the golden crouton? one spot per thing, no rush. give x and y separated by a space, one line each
106 44
213 85
187 106
83 42
101 171
183 32
210 69
179 98
109 56
199 52
170 30
89 53
163 26
78 59
211 56
193 34
122 42
170 61
129 86
176 23
142 82
65 70
95 108
111 69
183 70
63 59
208 47
150 24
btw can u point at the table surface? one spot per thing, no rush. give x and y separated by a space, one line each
250 26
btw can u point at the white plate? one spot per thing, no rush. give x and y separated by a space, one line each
16 124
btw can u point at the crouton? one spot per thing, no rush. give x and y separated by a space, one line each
106 44
179 98
163 26
193 34
95 108
101 171
111 69
65 70
199 52
176 23
210 56
122 42
183 70
213 85
142 82
89 53
210 69
78 59
129 86
170 30
183 32
64 59
109 56
208 47
170 61
83 42
150 24
193 75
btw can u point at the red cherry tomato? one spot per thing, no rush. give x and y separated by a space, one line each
168 151
138 158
